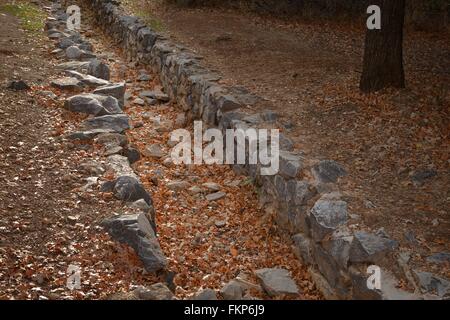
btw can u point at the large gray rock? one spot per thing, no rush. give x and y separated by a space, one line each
87 80
157 291
177 185
327 171
232 291
338 246
93 104
154 95
298 192
142 205
136 231
112 140
440 257
86 135
253 119
329 269
227 103
146 38
93 82
64 43
85 104
67 83
290 164
116 90
98 69
216 196
133 155
120 166
206 294
80 66
430 283
227 119
370 248
75 53
277 281
302 248
86 46
326 216
212 186
56 35
129 189
115 123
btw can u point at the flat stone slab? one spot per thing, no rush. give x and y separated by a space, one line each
116 90
99 69
326 216
116 123
440 257
86 79
67 83
160 96
74 65
112 140
89 103
277 281
216 196
212 186
94 82
232 291
370 248
177 185
136 231
86 135
120 166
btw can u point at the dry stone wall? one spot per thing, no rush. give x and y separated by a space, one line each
303 197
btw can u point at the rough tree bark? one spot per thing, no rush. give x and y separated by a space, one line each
383 54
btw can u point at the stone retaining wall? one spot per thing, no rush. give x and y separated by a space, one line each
303 198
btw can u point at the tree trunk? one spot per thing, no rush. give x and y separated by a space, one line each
383 54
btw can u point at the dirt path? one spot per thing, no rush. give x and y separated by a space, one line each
310 72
